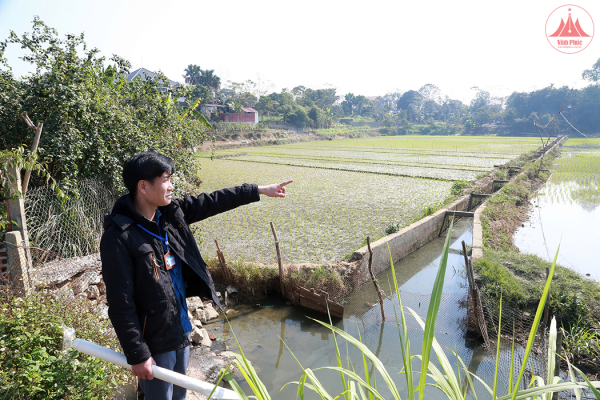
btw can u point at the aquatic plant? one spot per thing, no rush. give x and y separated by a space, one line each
447 379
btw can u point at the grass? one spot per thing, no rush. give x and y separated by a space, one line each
260 278
446 377
506 210
519 279
581 342
350 131
326 214
246 276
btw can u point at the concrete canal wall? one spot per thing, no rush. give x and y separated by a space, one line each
407 240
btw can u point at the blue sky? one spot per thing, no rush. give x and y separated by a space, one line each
368 48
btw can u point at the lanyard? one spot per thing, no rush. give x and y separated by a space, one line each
165 239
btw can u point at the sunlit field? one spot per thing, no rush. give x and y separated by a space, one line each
576 173
343 191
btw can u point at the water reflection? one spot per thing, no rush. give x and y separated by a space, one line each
556 220
259 328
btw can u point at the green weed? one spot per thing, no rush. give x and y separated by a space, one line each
32 365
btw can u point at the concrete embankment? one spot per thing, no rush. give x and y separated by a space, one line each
409 239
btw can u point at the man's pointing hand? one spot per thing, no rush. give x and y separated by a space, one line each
274 190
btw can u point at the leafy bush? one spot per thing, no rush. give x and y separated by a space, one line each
93 118
392 228
32 365
458 187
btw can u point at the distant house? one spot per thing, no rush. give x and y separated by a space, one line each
248 116
145 74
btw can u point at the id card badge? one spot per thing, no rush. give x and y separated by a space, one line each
170 262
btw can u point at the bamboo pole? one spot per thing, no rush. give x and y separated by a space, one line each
375 280
281 282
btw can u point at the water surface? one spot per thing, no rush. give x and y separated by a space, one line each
558 220
259 327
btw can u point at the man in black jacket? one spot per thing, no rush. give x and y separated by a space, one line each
151 263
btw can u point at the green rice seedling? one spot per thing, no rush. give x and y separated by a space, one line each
361 184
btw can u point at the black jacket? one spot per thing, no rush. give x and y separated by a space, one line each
142 305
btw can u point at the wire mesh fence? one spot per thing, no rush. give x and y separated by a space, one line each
71 228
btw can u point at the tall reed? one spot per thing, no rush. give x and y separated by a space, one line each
447 377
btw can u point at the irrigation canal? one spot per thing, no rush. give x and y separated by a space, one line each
258 328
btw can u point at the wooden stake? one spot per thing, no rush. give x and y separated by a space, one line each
227 274
281 282
375 280
36 142
470 276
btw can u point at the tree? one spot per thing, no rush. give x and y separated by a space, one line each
359 102
322 98
411 97
298 91
192 74
295 115
348 104
208 78
317 116
93 118
430 92
593 74
267 105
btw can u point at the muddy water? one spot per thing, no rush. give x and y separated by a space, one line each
556 220
259 326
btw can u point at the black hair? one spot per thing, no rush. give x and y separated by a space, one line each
146 166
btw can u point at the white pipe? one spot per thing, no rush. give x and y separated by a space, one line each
161 373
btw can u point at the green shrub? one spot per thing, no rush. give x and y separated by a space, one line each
458 187
392 228
32 365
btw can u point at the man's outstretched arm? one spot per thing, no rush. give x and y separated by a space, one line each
205 205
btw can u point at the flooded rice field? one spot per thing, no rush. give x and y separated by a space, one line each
343 191
259 327
566 211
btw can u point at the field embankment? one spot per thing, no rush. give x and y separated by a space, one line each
235 139
517 278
